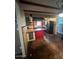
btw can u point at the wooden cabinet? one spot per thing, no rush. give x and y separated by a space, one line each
31 36
35 29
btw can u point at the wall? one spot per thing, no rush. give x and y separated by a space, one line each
52 19
21 22
17 39
59 25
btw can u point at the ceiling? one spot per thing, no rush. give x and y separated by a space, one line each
42 7
53 3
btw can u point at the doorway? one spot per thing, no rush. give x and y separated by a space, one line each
51 27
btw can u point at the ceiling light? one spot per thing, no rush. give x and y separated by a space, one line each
60 15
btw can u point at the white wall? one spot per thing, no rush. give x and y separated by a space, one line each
21 22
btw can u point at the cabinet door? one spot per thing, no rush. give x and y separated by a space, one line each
39 35
31 36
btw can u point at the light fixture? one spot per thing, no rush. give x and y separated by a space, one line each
60 15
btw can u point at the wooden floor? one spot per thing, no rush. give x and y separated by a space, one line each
45 50
41 49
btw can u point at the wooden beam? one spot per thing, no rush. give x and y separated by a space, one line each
38 11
